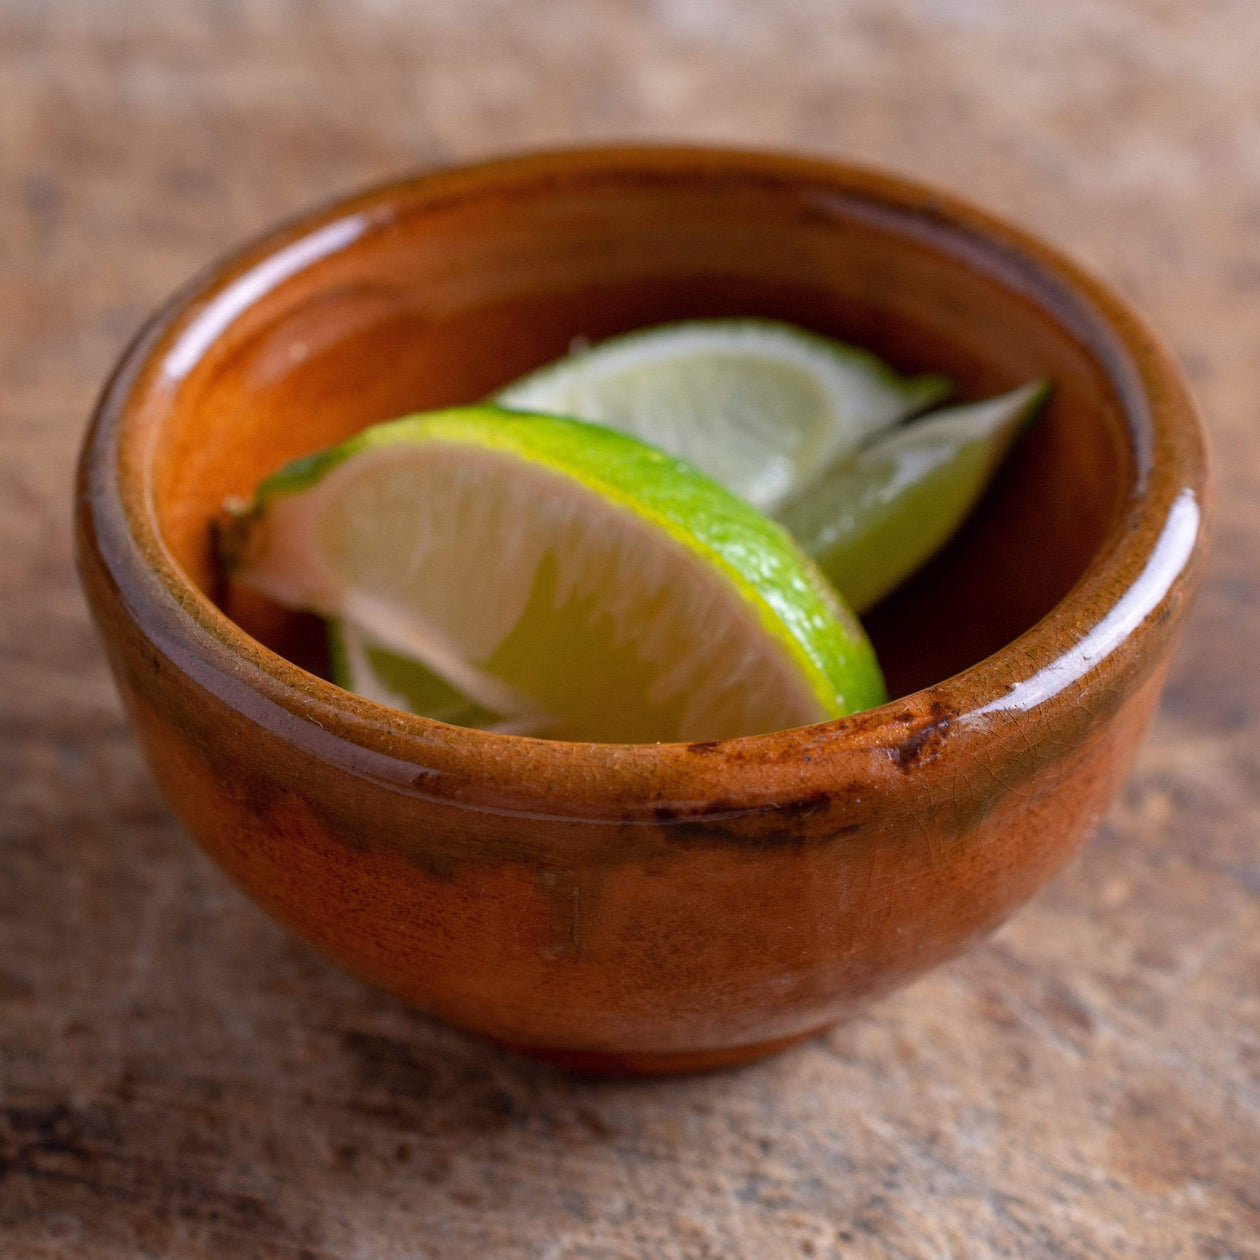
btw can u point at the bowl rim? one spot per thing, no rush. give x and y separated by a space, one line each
1153 550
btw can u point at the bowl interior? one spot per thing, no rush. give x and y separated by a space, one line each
417 298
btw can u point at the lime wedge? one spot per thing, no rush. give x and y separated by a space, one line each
760 406
872 519
564 577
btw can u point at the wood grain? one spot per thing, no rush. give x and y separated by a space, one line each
179 1079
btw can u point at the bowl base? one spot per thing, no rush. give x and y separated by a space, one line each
611 1063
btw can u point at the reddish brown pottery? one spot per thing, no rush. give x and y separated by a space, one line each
664 907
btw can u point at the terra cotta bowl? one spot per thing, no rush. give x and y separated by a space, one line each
647 907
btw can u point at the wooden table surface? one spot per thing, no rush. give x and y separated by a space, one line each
180 1079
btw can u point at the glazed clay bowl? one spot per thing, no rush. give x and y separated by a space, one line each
647 907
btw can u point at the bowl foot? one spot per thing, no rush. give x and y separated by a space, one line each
662 1063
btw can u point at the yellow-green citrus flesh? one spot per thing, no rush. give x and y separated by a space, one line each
563 578
871 520
760 406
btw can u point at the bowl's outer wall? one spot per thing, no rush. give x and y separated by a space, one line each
658 907
664 938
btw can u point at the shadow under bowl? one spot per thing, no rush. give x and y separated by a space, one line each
647 907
